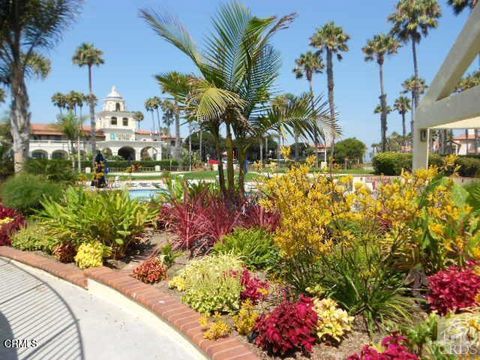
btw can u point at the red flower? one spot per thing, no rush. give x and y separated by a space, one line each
7 229
150 271
253 288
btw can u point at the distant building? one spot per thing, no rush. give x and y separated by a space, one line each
465 143
118 134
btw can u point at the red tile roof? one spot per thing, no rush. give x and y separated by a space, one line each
52 129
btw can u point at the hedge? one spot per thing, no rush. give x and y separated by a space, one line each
123 164
392 163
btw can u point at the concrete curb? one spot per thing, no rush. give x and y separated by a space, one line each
168 308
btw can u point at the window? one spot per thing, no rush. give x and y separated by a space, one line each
113 136
113 121
125 121
117 107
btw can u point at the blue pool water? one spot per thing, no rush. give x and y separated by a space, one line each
144 194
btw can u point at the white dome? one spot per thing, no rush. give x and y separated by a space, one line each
114 94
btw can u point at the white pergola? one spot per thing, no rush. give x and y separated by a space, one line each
441 108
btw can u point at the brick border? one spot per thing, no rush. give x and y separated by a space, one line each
168 308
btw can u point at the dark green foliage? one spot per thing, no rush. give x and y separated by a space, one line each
351 149
56 170
469 166
392 163
25 192
254 246
124 164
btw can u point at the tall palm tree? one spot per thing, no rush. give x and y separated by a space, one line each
307 65
88 55
59 100
411 21
460 5
412 86
174 83
403 105
71 126
155 103
331 40
138 116
150 107
376 50
27 29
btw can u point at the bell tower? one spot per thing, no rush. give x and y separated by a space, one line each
114 101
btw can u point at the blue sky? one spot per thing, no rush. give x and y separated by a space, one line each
133 54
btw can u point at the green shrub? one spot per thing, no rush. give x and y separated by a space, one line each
123 164
110 217
56 170
254 246
91 254
392 163
34 237
469 167
25 192
208 283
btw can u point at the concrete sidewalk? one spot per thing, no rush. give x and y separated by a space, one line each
42 317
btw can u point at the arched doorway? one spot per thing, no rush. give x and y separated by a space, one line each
127 153
39 154
59 154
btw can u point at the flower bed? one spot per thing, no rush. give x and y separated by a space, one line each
313 266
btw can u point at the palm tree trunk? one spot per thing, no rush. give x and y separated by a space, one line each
200 141
189 146
242 156
331 97
153 121
261 151
79 158
404 129
415 69
177 132
383 102
230 170
93 133
466 141
218 150
315 133
295 138
159 122
72 157
19 118
266 147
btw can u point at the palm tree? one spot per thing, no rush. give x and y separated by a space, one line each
156 104
460 5
376 49
403 105
234 81
412 86
174 83
88 55
307 65
411 21
59 100
332 40
138 116
71 126
149 107
28 28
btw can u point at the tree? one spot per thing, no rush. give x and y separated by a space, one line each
460 5
154 103
27 28
59 100
168 113
350 149
71 126
379 109
138 116
307 65
411 21
411 86
88 55
331 40
376 50
2 95
403 105
150 104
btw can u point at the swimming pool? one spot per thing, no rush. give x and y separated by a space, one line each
144 194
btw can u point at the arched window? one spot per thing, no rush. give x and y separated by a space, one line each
125 121
113 120
117 107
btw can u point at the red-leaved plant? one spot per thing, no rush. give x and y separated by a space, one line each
14 223
65 252
453 289
257 216
290 327
253 288
150 271
395 348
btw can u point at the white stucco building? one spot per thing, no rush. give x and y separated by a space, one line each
118 134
